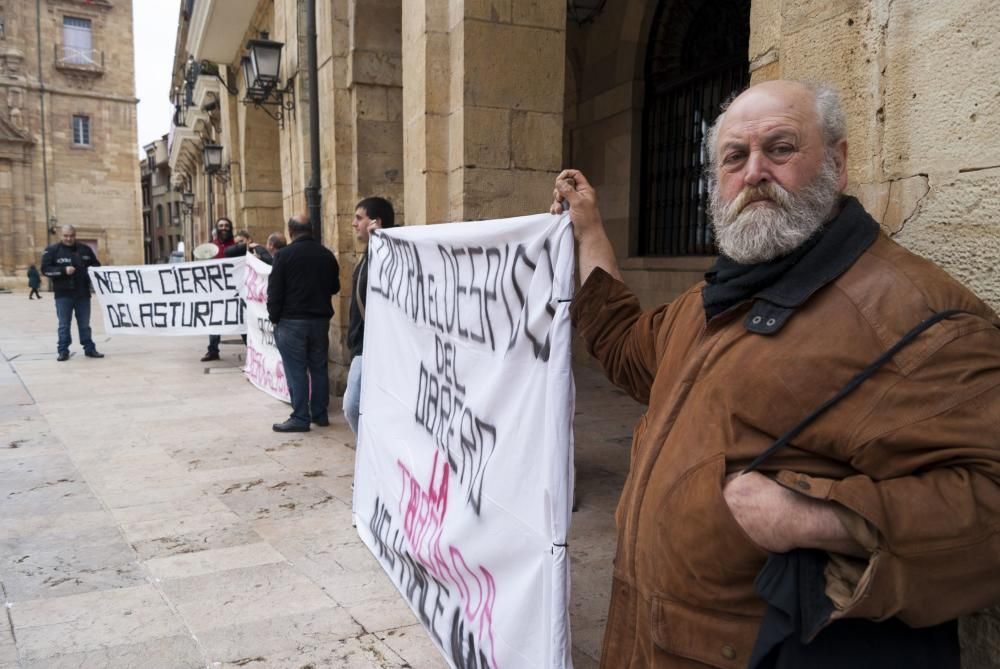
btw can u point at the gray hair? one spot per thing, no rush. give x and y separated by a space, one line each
67 227
829 111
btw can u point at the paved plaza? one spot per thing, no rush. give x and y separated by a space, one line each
150 517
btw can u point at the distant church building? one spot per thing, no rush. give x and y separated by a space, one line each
67 131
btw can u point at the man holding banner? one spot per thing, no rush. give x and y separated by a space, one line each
303 281
371 214
880 503
223 240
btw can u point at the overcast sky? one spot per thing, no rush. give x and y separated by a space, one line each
155 24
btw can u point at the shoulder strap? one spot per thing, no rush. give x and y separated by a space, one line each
852 385
358 295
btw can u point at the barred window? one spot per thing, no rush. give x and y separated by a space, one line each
81 130
696 59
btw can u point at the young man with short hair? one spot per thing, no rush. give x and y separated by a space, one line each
371 214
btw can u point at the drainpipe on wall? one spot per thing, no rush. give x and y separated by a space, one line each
313 189
41 99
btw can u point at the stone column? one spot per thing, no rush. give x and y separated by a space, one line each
363 99
426 107
483 107
31 249
8 242
375 76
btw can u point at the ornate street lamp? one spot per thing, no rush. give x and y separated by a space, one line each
187 201
265 62
261 73
253 93
212 156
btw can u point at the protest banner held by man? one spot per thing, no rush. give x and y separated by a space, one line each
223 240
371 214
303 281
884 506
67 263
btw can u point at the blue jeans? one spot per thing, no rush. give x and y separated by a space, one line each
304 346
65 306
352 395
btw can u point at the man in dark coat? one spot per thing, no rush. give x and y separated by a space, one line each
303 281
66 263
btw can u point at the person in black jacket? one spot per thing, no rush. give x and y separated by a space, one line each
241 241
371 214
66 263
304 278
275 242
34 283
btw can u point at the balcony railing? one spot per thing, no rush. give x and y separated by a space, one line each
75 58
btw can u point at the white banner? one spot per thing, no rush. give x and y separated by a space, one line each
464 482
263 366
191 298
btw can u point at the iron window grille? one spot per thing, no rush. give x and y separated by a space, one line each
675 202
695 59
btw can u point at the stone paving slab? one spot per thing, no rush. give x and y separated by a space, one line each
80 623
150 517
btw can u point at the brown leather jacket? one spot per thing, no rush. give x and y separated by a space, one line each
914 453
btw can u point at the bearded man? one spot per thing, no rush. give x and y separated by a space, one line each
884 508
223 240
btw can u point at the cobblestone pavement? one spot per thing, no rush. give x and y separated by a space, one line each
150 517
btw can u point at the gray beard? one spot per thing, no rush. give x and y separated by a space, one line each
751 235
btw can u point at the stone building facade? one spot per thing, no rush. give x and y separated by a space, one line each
163 210
67 130
466 109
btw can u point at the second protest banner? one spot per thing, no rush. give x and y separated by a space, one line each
463 481
263 366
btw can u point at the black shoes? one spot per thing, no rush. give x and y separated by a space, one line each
321 422
64 355
289 426
208 357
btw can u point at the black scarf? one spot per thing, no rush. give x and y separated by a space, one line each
823 257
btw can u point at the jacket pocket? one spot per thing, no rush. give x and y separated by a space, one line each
697 552
714 639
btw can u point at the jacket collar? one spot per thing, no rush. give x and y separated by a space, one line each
846 237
